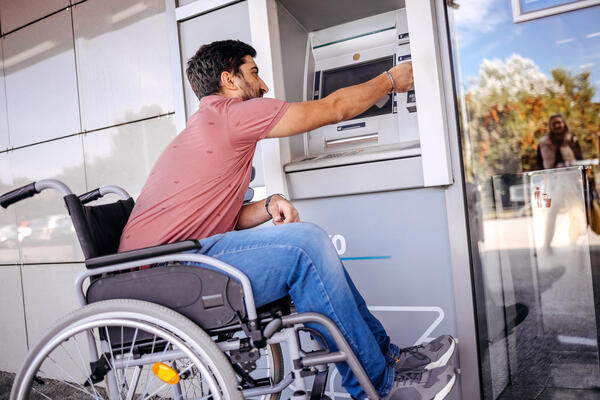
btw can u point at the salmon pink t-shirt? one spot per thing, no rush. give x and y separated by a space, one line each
196 188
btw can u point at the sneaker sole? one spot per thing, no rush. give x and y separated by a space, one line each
443 360
444 392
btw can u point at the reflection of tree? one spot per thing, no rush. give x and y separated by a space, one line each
119 164
508 108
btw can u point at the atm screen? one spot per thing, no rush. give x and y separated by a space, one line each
335 79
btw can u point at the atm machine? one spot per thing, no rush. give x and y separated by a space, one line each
381 184
376 183
373 142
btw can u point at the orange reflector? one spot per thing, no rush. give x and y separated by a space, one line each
165 373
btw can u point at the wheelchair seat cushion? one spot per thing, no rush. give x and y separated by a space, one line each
207 297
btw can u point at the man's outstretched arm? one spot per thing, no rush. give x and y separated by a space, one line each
254 214
342 104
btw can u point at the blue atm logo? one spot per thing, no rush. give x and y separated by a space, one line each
339 242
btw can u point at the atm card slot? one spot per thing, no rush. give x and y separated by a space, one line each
347 127
373 137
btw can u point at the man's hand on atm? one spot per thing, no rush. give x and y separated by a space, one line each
343 104
283 211
403 77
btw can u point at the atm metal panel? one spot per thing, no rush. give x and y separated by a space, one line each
395 246
377 176
231 22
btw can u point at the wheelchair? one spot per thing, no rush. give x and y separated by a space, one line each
154 324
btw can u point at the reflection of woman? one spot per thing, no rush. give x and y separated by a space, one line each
559 147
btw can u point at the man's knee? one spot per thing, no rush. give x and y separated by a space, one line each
315 242
311 234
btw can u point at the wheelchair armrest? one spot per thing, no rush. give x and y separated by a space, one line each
148 252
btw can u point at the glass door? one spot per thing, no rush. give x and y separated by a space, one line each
527 80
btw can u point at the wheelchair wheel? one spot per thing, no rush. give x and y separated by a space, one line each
145 351
274 368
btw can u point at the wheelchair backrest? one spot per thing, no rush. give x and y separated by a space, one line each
99 227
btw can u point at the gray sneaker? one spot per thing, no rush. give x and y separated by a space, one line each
427 355
432 384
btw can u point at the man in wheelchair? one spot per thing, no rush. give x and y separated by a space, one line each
196 191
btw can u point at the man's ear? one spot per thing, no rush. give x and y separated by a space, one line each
227 81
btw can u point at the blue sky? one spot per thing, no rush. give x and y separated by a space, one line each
485 29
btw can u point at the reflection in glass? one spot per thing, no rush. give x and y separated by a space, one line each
530 126
44 230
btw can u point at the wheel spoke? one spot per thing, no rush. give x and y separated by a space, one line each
112 358
149 369
149 333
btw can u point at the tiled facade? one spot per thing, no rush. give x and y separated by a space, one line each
86 97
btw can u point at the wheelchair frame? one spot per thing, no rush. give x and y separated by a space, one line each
283 329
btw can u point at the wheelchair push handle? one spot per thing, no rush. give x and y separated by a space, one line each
32 189
101 192
18 194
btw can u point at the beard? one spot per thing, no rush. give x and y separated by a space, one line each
250 92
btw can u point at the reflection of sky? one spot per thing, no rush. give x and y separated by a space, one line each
570 40
534 5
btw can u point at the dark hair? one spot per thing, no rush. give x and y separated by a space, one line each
205 67
564 120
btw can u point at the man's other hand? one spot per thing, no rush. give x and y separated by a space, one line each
403 76
283 211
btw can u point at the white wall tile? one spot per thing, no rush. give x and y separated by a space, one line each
49 294
9 249
13 345
14 14
41 87
124 155
4 142
45 231
122 61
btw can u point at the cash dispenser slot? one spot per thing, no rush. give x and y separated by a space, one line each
354 140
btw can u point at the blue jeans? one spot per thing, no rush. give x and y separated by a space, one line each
300 260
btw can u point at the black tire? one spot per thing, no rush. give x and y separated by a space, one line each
275 360
147 330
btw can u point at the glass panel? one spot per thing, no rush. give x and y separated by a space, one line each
342 77
41 87
530 116
122 61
